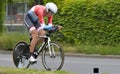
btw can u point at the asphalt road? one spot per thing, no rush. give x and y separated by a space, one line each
76 65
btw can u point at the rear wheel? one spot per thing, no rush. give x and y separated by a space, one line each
21 54
54 61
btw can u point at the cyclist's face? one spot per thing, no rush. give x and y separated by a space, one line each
50 13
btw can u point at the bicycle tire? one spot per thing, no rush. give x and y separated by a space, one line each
59 54
20 49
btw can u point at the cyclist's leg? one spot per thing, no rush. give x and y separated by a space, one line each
41 33
34 40
34 34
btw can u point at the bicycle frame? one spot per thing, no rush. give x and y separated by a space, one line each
46 42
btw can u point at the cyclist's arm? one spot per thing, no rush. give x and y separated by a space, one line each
50 20
49 26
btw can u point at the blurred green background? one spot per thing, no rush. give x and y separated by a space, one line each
89 26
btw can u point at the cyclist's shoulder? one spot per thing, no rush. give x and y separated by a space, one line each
39 6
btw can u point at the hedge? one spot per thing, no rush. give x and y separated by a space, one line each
90 21
2 14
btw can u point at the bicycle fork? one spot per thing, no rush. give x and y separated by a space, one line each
51 49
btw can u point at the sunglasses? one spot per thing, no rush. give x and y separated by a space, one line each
49 11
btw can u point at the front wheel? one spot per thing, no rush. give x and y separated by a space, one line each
54 61
20 55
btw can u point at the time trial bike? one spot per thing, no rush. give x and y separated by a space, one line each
52 54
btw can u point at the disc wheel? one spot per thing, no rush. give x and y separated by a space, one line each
20 55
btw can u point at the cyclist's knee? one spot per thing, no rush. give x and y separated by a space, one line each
41 33
34 34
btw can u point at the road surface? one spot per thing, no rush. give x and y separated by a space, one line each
76 65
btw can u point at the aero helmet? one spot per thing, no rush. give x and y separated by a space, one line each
51 7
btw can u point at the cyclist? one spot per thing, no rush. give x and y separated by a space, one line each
34 21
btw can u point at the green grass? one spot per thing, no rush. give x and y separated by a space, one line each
92 49
9 40
101 49
5 70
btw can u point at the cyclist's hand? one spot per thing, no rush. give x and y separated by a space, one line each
55 28
59 27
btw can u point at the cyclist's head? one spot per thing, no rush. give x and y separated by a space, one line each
51 7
